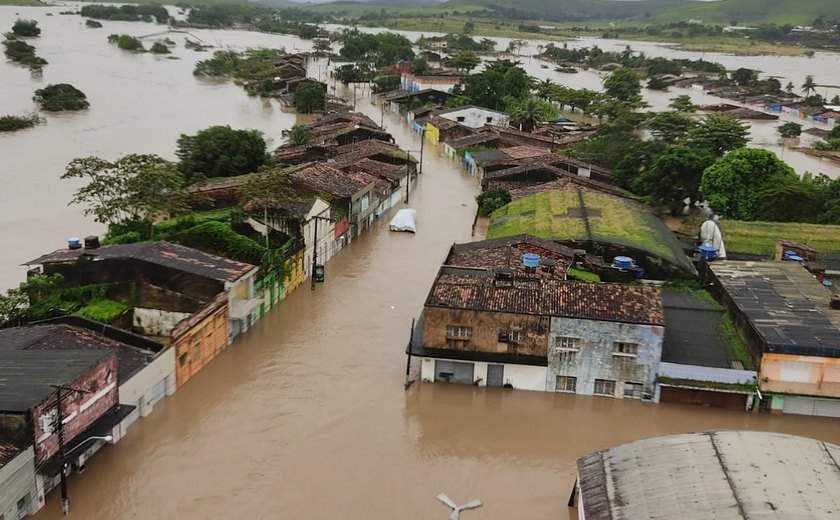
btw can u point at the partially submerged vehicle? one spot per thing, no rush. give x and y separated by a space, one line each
404 220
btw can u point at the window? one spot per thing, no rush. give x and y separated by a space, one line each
604 387
633 390
489 119
566 349
182 359
457 331
622 347
566 384
461 119
48 420
510 336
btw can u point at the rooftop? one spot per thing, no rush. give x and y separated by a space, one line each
759 238
508 251
344 116
722 475
64 337
473 140
298 209
166 254
390 172
478 289
368 148
26 375
323 178
693 332
786 305
569 181
582 215
467 107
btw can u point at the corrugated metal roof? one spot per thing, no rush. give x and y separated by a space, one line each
725 475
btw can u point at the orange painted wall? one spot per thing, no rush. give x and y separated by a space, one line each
819 376
200 344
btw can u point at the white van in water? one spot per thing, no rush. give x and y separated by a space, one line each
404 220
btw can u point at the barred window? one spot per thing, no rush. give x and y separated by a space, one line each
633 390
623 347
457 331
566 384
604 387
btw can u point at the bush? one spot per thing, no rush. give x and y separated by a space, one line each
14 123
221 151
126 42
26 28
103 310
160 48
23 53
219 238
61 96
491 200
310 97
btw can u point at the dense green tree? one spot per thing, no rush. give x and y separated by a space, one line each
220 151
298 135
500 81
787 199
544 89
420 67
624 85
670 127
683 103
744 76
308 31
790 130
126 42
322 45
15 123
26 28
491 200
23 53
310 97
530 111
734 186
463 60
674 176
381 49
159 48
720 133
60 97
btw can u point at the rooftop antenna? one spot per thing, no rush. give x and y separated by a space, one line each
456 510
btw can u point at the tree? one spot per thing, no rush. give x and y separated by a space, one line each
491 200
683 103
104 195
26 28
529 112
464 60
670 127
420 67
220 151
675 176
624 85
322 45
310 97
159 48
809 87
469 27
790 130
733 186
126 42
545 89
744 76
720 133
787 199
59 97
789 87
500 81
298 135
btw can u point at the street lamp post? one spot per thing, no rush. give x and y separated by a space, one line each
315 248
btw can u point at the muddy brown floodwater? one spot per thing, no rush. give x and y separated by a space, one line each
306 415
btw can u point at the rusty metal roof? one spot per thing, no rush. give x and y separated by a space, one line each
166 254
719 475
478 289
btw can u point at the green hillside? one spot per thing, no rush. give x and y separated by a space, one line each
753 11
575 10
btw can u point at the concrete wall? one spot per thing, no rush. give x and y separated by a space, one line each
137 391
477 117
698 373
485 334
17 482
198 346
596 358
522 377
156 322
803 375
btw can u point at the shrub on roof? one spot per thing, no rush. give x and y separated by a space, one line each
219 238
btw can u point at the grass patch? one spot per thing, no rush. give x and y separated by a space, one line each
586 276
730 337
174 225
759 238
103 310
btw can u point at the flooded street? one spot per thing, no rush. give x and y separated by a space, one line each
305 416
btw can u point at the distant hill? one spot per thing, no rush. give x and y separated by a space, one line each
578 10
754 11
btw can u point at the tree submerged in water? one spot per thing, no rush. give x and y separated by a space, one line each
26 28
126 42
60 97
15 123
160 48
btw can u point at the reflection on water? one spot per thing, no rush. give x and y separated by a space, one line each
306 416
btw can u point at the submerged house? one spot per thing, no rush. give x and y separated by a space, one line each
533 330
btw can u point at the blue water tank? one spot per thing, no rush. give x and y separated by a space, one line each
827 283
638 272
794 258
708 252
74 243
623 262
531 260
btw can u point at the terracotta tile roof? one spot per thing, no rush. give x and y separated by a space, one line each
323 178
368 148
173 256
345 117
390 172
478 289
8 451
508 251
472 140
285 208
525 152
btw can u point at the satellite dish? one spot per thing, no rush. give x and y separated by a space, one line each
456 509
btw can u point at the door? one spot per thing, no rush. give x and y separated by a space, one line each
454 371
158 392
495 375
811 406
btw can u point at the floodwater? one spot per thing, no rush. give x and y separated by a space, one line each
306 416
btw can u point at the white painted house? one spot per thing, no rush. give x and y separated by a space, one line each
475 117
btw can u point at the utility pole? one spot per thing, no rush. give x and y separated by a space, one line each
315 248
407 175
62 455
422 145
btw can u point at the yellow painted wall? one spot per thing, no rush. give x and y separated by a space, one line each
805 375
295 273
432 133
200 345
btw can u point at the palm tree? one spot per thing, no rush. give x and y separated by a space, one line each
809 87
545 88
298 135
528 114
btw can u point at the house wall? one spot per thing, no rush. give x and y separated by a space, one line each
485 334
521 377
139 390
17 482
200 344
156 322
803 375
596 359
80 411
477 118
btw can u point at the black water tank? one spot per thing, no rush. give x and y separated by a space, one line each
835 301
91 242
